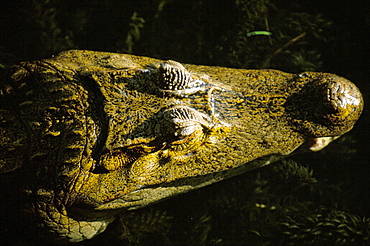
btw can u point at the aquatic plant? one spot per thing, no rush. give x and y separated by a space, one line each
43 14
133 35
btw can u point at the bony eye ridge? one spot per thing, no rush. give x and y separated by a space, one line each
173 76
183 127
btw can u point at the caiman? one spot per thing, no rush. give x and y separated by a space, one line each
86 134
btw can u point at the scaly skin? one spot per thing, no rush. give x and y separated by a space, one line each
88 133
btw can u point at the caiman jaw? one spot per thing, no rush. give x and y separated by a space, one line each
303 114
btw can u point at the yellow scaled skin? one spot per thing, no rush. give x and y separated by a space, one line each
93 132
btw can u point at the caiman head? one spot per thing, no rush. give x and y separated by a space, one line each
99 131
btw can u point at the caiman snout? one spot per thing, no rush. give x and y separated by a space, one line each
345 99
324 104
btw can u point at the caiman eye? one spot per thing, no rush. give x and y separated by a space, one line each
179 130
112 160
183 128
120 157
173 76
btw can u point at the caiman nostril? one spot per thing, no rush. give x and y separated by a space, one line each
346 100
345 94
